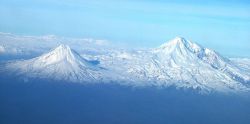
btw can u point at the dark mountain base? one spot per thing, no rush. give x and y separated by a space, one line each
64 103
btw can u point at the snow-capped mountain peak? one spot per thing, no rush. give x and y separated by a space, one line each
181 43
175 41
61 53
62 63
178 62
181 49
63 47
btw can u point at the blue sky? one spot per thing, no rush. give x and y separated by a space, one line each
221 25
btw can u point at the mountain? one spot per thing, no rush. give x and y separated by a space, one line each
182 49
62 63
188 51
179 62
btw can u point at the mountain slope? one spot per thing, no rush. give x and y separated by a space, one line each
184 48
62 63
181 63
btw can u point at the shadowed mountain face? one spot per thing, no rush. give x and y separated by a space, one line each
63 102
179 62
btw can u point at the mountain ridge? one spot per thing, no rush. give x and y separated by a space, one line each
179 62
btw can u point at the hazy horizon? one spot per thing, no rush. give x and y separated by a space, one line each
219 25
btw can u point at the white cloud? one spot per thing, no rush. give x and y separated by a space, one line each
28 45
101 42
2 49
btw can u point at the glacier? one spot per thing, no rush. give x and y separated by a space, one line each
180 63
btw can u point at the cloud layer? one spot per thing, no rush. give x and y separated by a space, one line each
16 45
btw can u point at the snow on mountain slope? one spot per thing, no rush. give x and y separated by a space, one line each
242 63
180 63
184 48
62 63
